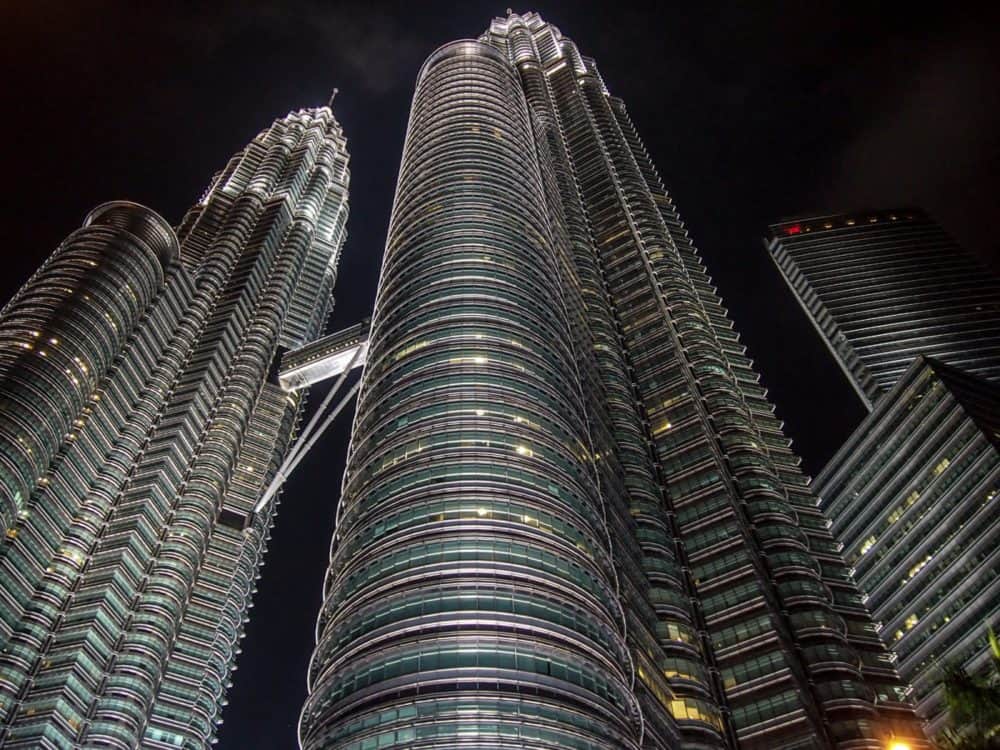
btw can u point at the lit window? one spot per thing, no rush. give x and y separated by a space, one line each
662 428
915 569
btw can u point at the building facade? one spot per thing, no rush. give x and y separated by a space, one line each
885 286
569 516
138 428
912 495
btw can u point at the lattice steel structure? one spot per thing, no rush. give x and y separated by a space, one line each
885 286
913 496
139 428
570 518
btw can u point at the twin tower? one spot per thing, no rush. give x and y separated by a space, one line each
569 519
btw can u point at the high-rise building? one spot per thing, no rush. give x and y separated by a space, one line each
569 516
914 323
885 286
139 424
912 494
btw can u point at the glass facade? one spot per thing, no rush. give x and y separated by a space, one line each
570 518
64 328
139 429
885 286
913 497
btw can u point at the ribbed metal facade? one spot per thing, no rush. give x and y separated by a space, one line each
913 495
62 331
885 286
142 431
570 518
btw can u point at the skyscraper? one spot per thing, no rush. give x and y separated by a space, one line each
885 286
912 494
569 516
138 429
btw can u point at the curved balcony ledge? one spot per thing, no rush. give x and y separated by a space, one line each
141 222
459 48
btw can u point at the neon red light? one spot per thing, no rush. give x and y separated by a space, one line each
794 229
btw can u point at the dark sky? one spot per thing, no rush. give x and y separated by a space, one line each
752 111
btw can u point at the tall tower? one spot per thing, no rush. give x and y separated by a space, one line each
885 286
913 496
569 516
139 428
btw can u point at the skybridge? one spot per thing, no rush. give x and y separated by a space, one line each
332 356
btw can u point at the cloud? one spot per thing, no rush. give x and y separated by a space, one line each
372 48
925 143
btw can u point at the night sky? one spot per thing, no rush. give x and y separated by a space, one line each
751 111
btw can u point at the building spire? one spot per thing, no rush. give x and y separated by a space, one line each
333 95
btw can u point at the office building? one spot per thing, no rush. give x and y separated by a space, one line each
569 516
138 428
912 495
885 286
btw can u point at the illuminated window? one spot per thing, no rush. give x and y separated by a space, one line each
915 569
662 428
867 545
